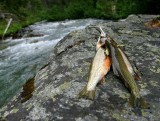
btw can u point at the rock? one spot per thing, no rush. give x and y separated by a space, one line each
57 85
155 23
25 33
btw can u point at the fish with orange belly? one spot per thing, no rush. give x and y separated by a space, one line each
99 68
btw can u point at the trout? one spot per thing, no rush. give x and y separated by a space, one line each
124 70
99 68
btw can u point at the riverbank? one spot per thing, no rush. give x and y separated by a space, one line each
22 57
58 84
15 26
25 13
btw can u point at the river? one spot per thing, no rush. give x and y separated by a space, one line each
22 58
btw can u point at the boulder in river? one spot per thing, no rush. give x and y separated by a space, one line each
57 85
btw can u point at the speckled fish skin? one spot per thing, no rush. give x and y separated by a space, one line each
99 68
124 72
123 69
128 64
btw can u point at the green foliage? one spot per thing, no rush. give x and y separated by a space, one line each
2 23
30 11
55 13
104 8
125 8
116 9
74 10
80 9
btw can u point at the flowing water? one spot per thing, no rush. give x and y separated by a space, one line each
21 59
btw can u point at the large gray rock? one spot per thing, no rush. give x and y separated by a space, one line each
58 84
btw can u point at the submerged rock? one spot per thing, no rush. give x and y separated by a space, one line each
57 85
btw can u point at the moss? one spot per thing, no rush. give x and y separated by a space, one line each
119 117
156 70
121 94
28 106
51 92
15 110
60 89
3 108
154 83
144 85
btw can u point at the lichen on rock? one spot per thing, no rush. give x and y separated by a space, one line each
58 84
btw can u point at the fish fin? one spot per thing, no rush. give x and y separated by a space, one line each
102 81
137 77
126 84
137 73
114 69
121 46
138 103
87 94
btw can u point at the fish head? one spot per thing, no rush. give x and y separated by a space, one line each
101 42
98 45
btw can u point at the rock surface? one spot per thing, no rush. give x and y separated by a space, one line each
58 84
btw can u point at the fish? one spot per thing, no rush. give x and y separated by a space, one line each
123 69
99 68
134 71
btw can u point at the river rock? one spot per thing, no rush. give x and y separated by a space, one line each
56 86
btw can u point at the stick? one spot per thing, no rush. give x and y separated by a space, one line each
9 23
102 32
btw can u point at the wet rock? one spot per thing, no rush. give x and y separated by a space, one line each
26 32
57 85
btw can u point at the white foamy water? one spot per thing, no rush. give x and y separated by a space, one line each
20 59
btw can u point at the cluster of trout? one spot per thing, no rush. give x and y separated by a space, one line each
110 53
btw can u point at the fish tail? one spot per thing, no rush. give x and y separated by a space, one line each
138 102
87 94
